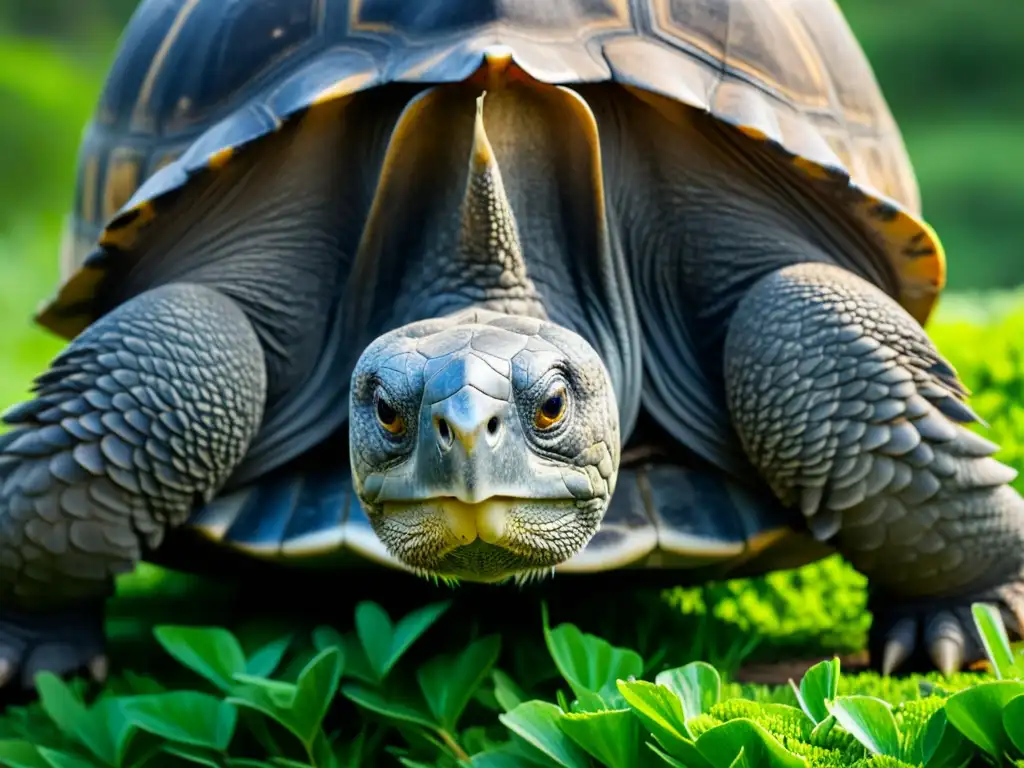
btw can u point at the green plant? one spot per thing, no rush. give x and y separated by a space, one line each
336 699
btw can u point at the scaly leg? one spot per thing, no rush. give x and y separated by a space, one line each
851 414
146 412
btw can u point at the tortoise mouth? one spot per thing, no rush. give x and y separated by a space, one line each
489 541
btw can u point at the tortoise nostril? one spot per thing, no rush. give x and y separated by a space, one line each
492 425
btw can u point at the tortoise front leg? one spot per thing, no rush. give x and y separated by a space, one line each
146 412
850 413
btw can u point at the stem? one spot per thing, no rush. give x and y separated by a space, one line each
453 745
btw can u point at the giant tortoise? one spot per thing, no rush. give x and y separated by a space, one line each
494 289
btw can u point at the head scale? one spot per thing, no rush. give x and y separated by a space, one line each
484 444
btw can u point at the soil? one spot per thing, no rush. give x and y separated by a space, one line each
780 673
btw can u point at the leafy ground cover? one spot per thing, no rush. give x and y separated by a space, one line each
330 700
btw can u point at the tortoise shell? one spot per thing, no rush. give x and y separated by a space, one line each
197 80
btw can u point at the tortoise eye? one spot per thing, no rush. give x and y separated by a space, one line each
388 417
552 410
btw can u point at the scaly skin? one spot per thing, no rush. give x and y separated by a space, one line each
467 389
146 412
851 414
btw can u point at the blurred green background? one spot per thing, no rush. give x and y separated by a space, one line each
950 71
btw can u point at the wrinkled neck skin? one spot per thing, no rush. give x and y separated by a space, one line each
510 239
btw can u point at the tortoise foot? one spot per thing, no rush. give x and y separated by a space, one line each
939 633
65 643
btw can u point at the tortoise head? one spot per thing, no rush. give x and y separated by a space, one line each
484 443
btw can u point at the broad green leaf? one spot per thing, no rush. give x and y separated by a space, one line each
612 736
21 754
64 760
697 684
818 685
722 744
978 714
186 717
120 736
870 721
989 623
266 659
356 663
212 652
1013 722
271 698
537 722
448 682
300 707
325 637
70 715
61 704
412 627
590 665
315 691
193 754
741 760
507 692
284 762
384 643
941 745
661 711
376 633
375 701
248 762
103 730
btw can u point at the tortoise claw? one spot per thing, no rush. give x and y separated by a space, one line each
946 641
947 654
99 668
917 636
64 643
898 646
6 672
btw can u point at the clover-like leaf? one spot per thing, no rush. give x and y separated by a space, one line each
661 711
697 684
449 682
315 690
742 737
612 736
977 713
989 623
186 717
356 664
590 665
266 659
537 723
212 652
871 721
819 685
384 643
103 730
